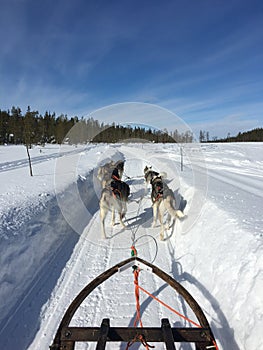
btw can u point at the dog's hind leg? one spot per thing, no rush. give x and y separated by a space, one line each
122 213
169 223
121 220
103 214
161 217
113 217
155 212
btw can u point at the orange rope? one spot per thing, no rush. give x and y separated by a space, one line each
138 311
114 177
173 310
137 296
160 195
169 307
142 339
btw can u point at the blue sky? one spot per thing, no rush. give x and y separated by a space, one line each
200 59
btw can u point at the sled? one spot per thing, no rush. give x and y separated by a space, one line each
201 335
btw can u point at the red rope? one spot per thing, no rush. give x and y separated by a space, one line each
114 177
158 197
139 337
169 307
137 298
138 317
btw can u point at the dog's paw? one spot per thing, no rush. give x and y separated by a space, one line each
180 214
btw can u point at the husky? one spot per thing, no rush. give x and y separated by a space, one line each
149 174
106 171
163 200
118 170
114 197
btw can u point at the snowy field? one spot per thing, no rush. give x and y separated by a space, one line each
51 244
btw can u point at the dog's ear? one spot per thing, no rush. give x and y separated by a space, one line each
157 177
146 168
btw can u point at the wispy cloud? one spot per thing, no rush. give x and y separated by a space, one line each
199 62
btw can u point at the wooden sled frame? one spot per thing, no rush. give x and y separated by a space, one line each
66 336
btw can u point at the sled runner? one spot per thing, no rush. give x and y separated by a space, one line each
200 335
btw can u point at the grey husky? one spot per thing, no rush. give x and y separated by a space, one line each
105 172
114 197
149 174
163 200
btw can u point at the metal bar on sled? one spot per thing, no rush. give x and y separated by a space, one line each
67 336
135 263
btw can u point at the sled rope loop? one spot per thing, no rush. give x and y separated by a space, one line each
141 338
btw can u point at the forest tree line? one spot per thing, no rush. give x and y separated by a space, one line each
255 135
33 128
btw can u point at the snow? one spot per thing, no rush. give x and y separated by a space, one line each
51 244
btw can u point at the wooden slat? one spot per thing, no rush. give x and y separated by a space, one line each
104 330
168 335
152 334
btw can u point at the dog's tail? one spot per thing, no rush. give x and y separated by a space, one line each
163 174
171 210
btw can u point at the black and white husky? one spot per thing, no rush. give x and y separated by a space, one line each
149 174
163 200
114 197
105 172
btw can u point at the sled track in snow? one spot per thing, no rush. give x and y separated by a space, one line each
7 166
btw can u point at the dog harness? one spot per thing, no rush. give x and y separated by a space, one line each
119 188
157 188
